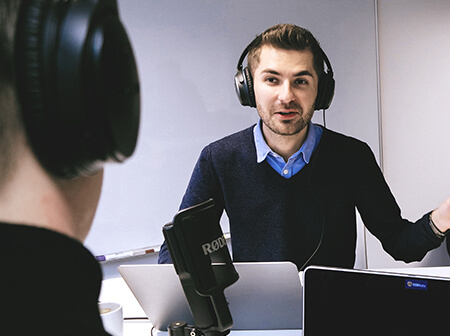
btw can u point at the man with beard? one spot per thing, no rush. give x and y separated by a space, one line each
290 187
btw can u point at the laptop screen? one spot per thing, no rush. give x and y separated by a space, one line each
354 302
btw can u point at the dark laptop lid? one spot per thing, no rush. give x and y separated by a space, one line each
356 302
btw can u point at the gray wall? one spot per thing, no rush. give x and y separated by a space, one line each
414 76
187 53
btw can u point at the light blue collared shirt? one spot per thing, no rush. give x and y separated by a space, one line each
297 161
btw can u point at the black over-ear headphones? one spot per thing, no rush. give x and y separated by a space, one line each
77 83
243 82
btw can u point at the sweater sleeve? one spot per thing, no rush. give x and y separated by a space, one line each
204 183
164 255
202 186
402 239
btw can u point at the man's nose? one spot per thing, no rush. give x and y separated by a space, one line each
285 93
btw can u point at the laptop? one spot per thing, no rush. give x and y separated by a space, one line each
267 296
357 302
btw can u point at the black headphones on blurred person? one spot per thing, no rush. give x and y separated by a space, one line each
243 82
77 83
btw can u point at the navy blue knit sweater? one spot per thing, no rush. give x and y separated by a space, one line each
276 219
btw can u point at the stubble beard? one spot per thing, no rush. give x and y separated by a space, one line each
286 127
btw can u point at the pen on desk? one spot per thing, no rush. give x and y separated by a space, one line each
125 254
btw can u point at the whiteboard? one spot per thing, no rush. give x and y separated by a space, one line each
187 53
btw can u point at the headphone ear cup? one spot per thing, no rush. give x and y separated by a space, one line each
325 92
250 89
36 69
29 69
244 87
77 83
111 88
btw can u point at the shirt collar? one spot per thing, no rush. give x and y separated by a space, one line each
262 149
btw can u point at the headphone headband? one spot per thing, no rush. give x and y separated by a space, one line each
241 58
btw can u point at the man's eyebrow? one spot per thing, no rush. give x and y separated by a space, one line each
303 73
269 71
298 74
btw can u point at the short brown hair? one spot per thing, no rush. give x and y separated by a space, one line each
289 37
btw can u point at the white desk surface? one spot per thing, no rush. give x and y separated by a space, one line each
143 328
136 323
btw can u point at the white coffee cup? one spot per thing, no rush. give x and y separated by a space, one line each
112 317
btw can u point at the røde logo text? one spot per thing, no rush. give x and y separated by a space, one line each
216 244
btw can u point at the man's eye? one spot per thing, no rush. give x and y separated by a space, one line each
271 80
301 81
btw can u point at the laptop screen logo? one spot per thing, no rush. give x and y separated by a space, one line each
416 284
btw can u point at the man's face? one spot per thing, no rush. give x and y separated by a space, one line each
285 85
